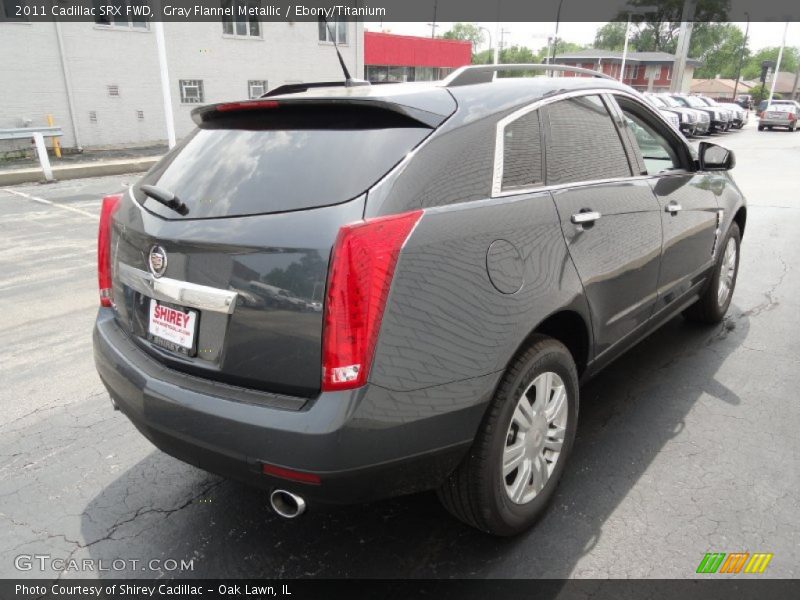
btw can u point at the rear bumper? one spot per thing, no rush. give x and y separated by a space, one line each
775 123
364 444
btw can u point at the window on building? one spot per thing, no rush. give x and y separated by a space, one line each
241 25
584 142
92 116
191 91
522 153
328 30
669 73
121 14
113 90
256 88
140 115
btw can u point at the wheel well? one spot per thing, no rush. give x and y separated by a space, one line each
740 218
569 328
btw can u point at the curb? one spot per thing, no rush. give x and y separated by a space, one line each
79 170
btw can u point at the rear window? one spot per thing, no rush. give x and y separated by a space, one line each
236 171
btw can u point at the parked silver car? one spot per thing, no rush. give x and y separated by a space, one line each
779 115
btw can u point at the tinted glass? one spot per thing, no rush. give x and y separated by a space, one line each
522 153
229 172
656 150
584 144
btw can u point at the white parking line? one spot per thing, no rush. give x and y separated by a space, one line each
50 203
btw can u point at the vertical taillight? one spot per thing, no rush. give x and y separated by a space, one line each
110 204
360 274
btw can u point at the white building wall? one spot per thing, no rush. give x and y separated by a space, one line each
31 84
285 53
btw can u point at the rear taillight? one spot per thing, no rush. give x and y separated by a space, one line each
110 204
360 274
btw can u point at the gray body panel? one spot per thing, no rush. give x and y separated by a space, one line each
477 276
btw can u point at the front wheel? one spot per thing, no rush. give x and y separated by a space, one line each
512 469
714 303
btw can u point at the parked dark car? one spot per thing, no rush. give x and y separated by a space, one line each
481 247
719 117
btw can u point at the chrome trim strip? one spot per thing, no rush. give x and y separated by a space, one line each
191 295
497 175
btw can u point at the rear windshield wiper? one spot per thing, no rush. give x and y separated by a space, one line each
166 198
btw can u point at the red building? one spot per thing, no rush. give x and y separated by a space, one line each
645 71
389 57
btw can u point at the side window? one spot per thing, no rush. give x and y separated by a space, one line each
522 153
583 142
655 148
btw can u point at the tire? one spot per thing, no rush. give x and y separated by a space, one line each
711 307
761 128
477 492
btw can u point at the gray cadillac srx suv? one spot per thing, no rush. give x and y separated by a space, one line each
346 292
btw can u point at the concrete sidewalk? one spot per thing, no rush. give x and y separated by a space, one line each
91 163
78 170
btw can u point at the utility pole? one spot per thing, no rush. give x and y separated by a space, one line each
555 37
741 57
434 25
496 59
684 38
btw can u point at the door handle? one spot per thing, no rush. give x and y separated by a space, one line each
673 207
585 216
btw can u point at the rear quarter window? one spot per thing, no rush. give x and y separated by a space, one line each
522 153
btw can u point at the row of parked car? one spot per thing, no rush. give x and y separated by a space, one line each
698 115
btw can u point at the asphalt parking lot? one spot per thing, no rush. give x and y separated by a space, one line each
686 445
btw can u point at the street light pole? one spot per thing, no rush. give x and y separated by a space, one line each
778 65
489 33
741 57
625 49
555 37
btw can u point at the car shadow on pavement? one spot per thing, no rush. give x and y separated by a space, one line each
163 509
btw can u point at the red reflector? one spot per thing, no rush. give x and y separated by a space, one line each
291 475
250 105
110 204
360 274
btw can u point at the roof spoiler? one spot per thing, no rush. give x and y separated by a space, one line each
299 88
474 74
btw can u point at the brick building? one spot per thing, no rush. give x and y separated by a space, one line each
645 71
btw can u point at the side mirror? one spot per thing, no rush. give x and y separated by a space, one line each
713 157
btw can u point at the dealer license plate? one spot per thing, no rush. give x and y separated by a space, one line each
171 327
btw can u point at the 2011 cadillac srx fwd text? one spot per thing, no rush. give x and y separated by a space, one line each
342 293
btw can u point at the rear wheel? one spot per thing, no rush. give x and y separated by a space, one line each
761 128
714 303
509 475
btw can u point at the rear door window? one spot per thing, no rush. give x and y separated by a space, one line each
242 168
583 142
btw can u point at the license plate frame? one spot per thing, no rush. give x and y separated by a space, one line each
168 333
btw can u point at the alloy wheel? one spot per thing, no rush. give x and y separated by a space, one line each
535 437
727 273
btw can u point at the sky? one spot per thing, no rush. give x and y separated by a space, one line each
534 35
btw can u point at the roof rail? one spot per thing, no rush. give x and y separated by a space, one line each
472 74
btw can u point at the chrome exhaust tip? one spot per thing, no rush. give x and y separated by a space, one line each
287 504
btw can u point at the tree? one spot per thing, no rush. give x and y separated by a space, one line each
611 36
761 92
467 32
718 47
789 61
